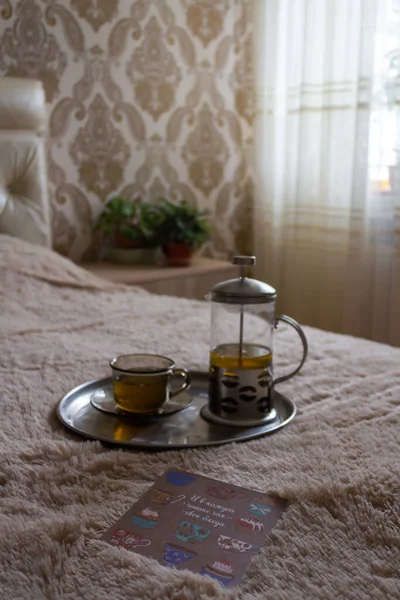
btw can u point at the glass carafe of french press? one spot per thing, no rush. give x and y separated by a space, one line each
241 384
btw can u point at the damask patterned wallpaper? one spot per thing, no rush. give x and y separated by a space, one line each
145 98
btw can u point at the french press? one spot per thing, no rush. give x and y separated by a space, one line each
241 384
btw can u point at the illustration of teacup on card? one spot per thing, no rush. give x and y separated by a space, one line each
159 496
179 479
175 555
261 506
128 539
220 570
249 525
233 545
224 492
191 532
146 517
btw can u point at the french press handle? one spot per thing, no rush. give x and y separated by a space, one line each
303 338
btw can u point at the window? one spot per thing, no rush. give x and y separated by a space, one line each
384 136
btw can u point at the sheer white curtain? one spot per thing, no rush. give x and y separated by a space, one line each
327 217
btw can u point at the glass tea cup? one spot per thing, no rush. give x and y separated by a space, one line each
142 382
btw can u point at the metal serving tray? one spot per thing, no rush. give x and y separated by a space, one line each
183 429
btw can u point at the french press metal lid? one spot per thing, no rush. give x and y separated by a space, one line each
243 290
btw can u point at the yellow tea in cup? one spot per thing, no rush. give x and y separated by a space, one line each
142 382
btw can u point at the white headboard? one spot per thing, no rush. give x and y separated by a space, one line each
24 205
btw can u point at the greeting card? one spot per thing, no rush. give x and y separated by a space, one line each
188 521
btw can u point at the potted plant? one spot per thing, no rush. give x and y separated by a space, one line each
131 230
184 230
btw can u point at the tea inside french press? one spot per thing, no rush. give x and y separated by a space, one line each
241 355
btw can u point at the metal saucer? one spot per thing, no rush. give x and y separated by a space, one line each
103 399
183 429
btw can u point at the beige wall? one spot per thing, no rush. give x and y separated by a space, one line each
145 97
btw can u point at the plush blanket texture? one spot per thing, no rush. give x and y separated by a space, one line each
337 463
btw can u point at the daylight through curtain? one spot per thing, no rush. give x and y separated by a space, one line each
327 125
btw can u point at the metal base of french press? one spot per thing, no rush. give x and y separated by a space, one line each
271 416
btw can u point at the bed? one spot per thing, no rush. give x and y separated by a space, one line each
337 463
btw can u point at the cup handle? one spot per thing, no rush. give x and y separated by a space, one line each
303 338
185 385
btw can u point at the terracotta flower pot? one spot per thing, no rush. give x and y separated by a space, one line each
178 255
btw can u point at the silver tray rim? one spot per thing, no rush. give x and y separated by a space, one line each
249 433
